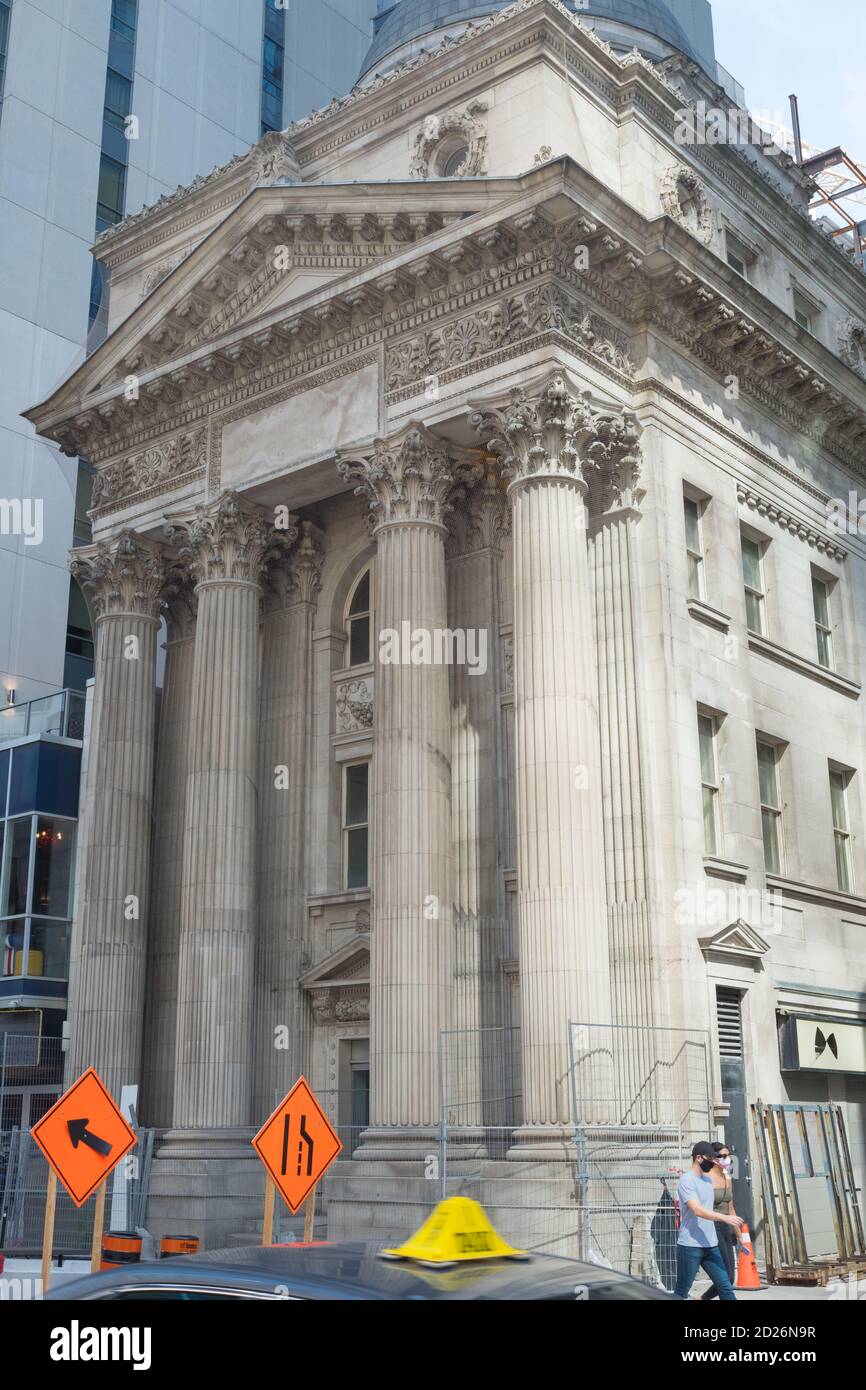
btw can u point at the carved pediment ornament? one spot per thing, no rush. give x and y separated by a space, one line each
354 706
453 131
684 198
852 345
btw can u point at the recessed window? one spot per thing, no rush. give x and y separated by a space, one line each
707 729
118 99
753 583
839 781
804 312
112 180
359 619
823 628
771 806
454 162
694 511
123 18
356 825
739 258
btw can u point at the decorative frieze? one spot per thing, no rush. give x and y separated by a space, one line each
168 464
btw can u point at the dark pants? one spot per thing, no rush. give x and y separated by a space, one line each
728 1247
691 1258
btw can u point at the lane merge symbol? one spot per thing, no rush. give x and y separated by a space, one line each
297 1144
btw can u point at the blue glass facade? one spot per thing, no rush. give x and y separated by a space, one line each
39 789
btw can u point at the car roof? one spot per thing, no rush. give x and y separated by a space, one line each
356 1270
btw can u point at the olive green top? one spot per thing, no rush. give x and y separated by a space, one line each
722 1198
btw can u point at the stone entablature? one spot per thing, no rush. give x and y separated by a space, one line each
583 309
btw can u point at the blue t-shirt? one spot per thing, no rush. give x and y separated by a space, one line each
696 1230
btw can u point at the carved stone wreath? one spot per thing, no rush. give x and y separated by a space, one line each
684 198
159 273
453 130
852 345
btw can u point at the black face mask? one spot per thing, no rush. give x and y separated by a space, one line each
706 1165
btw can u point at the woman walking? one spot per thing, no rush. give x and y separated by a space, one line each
723 1201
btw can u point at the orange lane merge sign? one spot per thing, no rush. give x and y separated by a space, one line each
297 1144
84 1136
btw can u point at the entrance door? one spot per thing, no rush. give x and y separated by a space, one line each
733 1067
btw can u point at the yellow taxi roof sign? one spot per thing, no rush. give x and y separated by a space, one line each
457 1230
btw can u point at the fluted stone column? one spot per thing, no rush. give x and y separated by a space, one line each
227 543
564 973
615 498
408 483
156 1103
123 582
475 1084
284 776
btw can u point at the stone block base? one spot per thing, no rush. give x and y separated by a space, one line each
209 1184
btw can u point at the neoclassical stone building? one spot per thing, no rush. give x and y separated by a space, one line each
484 355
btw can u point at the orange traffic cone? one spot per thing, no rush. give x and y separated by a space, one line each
747 1270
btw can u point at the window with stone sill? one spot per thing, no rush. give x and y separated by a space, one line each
753 553
769 755
822 589
707 733
840 781
358 620
694 507
356 825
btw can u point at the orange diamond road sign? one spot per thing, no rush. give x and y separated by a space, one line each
84 1136
297 1144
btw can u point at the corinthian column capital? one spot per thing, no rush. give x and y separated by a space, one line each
227 539
122 576
481 518
298 578
537 436
410 478
613 455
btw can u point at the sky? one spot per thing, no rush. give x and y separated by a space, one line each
775 47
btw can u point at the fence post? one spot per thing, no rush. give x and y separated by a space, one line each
443 1133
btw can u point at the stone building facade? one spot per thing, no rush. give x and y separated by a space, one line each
485 348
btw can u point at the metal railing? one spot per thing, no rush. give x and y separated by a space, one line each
60 714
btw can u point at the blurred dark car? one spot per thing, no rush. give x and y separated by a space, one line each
354 1270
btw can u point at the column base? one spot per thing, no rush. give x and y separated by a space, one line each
396 1143
550 1143
207 1183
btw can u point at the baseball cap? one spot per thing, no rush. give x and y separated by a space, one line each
703 1151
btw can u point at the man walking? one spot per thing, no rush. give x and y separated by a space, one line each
698 1241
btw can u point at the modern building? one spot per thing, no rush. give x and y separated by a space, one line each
106 106
492 441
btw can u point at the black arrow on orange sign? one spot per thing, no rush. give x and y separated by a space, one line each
80 1134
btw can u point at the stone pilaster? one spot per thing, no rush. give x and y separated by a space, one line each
614 504
157 1099
123 582
285 732
564 972
408 482
474 1066
227 543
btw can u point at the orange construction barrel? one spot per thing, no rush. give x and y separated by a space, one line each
120 1248
178 1245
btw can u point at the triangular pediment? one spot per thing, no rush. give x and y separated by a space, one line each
738 939
350 965
281 246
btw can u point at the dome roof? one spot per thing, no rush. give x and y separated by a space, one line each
411 19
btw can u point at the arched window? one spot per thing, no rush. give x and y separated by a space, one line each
359 619
452 161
